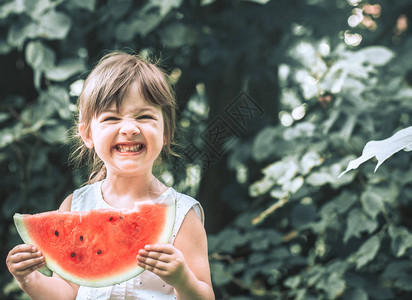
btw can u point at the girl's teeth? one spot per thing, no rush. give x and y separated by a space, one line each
133 148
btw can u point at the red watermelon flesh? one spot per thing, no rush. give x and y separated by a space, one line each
98 247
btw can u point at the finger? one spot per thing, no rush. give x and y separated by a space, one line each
22 256
165 248
156 271
156 255
23 248
27 271
28 264
152 265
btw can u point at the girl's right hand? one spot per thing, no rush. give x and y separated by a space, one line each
23 260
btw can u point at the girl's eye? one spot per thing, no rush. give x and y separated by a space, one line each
145 117
110 119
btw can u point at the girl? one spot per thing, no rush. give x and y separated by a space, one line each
126 122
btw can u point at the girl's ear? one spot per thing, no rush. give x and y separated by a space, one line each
86 135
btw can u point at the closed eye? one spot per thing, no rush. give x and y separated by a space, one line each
110 119
145 117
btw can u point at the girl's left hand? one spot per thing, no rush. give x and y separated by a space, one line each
165 261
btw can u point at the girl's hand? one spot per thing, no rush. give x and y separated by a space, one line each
165 261
23 260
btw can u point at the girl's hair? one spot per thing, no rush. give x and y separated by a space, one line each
107 84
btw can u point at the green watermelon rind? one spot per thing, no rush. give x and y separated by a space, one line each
99 282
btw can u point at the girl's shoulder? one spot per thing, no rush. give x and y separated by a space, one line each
66 204
87 197
184 203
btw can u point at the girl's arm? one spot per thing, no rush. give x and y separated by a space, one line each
185 265
23 262
43 287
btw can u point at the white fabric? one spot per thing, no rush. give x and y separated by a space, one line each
147 285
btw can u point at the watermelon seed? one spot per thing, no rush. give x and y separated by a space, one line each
73 254
111 218
81 238
99 251
56 233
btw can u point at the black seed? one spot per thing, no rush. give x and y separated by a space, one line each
111 218
56 233
99 251
81 238
73 254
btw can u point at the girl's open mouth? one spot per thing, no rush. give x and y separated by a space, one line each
129 148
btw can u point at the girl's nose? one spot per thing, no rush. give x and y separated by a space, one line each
129 128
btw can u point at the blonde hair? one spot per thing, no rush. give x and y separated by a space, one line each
107 84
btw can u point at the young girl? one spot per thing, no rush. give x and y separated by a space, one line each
126 122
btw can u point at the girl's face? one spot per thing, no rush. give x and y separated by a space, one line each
128 141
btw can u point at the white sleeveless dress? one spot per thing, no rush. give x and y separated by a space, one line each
146 285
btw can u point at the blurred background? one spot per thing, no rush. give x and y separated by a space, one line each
275 98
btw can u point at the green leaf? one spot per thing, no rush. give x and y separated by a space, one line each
396 268
54 25
256 258
220 275
4 116
372 202
401 240
376 55
292 282
146 19
12 7
59 99
36 9
65 69
286 167
383 149
5 47
262 239
338 205
310 160
176 35
264 144
229 239
319 178
356 294
20 31
89 5
404 282
333 285
258 1
367 251
39 56
55 134
300 130
358 222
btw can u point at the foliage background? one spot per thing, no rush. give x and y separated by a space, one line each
320 78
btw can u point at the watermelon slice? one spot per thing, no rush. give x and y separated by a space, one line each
99 247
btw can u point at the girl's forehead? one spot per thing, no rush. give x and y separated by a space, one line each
130 105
